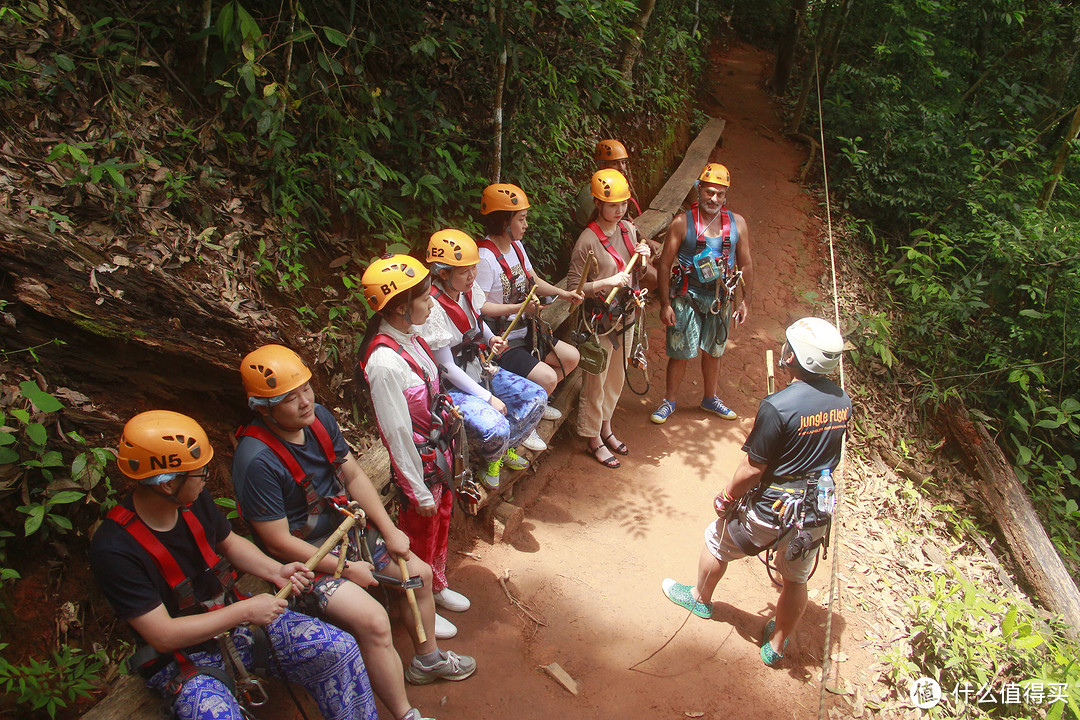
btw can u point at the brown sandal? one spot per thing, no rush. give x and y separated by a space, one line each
611 462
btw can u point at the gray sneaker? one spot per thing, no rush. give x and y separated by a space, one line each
452 667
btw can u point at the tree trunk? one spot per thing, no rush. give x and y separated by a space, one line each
500 85
1060 66
1006 499
786 53
810 76
633 46
1059 162
141 336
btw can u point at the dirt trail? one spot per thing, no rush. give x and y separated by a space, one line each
597 542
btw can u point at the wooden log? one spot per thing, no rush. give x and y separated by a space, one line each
130 699
507 521
1007 500
670 198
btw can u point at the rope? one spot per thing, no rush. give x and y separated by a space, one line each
838 476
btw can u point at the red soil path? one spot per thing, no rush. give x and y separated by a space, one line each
597 542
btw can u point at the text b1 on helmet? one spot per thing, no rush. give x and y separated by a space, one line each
716 174
609 186
272 371
502 196
158 445
610 150
816 343
391 275
452 247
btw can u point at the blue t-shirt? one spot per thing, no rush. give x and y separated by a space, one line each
800 429
265 489
128 576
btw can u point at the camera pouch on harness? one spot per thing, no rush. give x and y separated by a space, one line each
594 357
705 267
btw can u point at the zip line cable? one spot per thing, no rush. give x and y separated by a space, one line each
825 659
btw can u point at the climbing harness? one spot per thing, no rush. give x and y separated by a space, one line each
317 505
147 661
437 441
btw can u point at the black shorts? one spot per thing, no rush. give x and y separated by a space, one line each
517 360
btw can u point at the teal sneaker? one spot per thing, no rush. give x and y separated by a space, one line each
662 413
492 473
769 656
514 461
682 596
715 406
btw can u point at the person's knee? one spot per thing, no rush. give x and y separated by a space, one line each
352 608
544 375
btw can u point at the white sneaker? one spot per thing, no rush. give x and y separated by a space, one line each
444 629
533 442
552 413
452 601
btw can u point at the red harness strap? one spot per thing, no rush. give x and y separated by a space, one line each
462 321
316 503
519 251
619 263
681 272
166 563
387 341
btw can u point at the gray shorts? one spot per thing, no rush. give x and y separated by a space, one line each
724 548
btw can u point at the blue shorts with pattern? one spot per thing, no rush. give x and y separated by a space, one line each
317 655
697 328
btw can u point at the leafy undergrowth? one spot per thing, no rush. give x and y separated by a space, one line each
941 598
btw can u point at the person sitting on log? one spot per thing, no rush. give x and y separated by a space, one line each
499 408
781 496
613 241
164 558
291 469
415 418
506 276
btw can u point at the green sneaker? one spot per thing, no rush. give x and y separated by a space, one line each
514 461
682 596
769 656
492 473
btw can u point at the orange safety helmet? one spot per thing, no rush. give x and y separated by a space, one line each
157 445
272 371
610 150
610 186
716 174
391 275
503 196
452 247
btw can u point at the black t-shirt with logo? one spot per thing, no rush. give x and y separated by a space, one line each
128 576
800 428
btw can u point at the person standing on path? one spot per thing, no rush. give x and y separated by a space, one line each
611 154
613 241
781 494
706 248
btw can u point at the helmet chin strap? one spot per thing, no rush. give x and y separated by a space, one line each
171 497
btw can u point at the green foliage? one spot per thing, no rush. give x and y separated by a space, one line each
966 637
41 687
47 485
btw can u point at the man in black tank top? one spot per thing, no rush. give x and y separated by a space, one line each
781 493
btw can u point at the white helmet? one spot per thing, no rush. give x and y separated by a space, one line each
817 344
